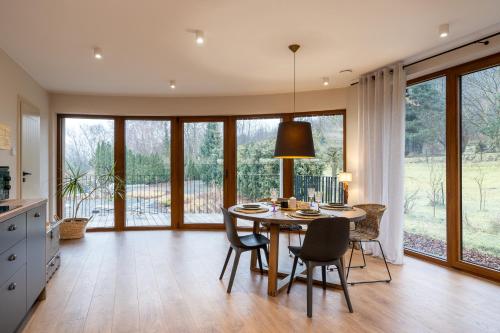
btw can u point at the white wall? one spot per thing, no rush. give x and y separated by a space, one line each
16 83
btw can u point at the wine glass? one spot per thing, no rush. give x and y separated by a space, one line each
274 197
318 196
310 193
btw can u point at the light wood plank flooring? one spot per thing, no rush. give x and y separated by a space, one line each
167 281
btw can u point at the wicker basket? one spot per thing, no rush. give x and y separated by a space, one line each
73 228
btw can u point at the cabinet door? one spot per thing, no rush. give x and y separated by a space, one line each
35 219
13 301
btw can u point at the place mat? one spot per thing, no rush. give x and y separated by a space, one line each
336 208
298 216
251 211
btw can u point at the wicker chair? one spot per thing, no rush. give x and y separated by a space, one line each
367 231
284 227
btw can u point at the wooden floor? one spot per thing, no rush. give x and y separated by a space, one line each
167 281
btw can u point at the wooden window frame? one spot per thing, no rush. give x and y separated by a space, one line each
177 163
453 166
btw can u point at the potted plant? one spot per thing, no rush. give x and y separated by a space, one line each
76 187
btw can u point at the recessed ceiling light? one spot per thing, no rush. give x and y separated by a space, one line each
172 84
200 38
326 81
97 53
444 30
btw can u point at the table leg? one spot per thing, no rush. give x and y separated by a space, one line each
272 278
253 258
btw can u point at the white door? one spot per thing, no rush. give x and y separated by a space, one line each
30 151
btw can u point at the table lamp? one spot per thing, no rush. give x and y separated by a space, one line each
345 178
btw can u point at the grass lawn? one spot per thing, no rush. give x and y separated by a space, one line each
481 225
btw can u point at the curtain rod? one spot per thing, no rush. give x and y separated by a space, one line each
477 41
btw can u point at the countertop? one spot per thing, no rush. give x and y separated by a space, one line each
22 206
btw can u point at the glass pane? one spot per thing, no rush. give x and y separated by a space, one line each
203 172
425 168
257 170
480 112
88 157
320 173
148 198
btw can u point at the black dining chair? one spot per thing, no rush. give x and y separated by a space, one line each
241 244
325 242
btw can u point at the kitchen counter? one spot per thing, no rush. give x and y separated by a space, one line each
19 206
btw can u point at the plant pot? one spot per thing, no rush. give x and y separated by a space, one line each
73 228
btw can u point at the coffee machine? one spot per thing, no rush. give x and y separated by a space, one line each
4 183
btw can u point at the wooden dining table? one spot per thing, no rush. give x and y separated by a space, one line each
277 280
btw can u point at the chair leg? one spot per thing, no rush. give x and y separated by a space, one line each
344 284
385 261
293 274
233 271
350 259
323 275
259 259
363 253
266 253
289 242
225 262
309 288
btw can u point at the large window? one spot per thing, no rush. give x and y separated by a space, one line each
203 172
88 156
321 172
256 169
452 167
425 168
148 187
179 171
480 162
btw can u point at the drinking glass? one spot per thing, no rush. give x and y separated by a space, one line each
274 194
310 193
318 196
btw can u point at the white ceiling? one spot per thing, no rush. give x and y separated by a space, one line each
145 43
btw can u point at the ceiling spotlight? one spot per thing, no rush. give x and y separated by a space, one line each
97 53
200 38
172 84
444 30
345 71
326 81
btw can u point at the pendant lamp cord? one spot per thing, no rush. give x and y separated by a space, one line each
293 82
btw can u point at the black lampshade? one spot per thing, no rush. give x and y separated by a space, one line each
294 140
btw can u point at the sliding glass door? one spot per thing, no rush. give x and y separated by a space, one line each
147 161
87 158
320 173
203 181
480 166
452 167
257 172
425 168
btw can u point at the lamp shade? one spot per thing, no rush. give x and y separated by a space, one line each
294 140
344 177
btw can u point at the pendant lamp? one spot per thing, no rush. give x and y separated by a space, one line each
295 138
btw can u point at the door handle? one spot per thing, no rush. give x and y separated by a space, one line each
12 286
26 173
12 227
12 257
37 214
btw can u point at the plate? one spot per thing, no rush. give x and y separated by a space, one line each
335 204
251 206
308 212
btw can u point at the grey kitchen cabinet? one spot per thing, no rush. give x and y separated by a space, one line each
22 261
35 254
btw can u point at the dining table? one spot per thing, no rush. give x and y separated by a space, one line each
274 218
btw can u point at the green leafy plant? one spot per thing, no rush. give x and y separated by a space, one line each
76 186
